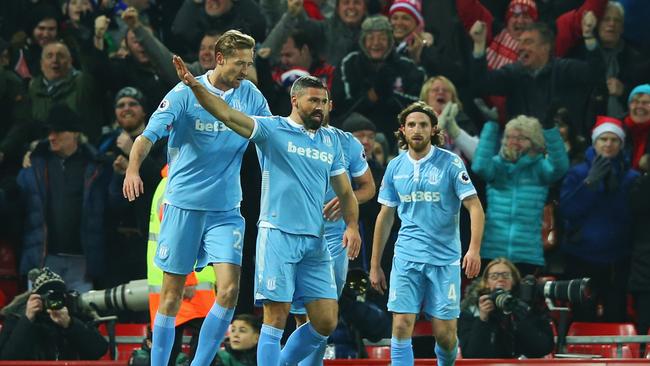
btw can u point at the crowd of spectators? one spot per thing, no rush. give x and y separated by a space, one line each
547 101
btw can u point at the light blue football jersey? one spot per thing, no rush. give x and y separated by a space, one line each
427 193
296 167
204 155
355 166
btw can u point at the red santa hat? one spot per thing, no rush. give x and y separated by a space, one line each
607 124
411 7
522 6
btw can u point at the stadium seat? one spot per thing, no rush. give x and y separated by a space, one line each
128 337
378 352
603 329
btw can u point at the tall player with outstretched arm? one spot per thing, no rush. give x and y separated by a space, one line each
298 160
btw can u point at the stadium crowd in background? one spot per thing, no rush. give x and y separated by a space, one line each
546 104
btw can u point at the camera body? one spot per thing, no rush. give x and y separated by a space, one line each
53 299
504 300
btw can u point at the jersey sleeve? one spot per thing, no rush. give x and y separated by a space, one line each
264 126
358 163
460 179
387 193
261 105
170 109
338 164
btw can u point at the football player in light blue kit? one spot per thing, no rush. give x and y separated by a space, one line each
201 222
298 161
357 169
426 185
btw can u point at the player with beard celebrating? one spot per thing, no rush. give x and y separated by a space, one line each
298 160
426 186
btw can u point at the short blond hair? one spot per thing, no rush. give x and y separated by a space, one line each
233 40
426 87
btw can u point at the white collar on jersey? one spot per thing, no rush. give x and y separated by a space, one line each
212 88
295 124
425 158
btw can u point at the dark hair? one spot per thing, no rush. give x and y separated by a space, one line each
302 38
305 82
436 138
253 320
545 32
233 40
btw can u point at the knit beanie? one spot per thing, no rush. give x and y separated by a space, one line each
44 280
411 7
607 124
639 89
358 122
522 6
376 23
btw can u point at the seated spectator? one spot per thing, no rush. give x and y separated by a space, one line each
241 344
64 194
536 80
376 81
486 331
339 34
637 123
639 283
518 175
595 210
38 325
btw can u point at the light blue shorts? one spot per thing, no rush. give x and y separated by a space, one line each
340 264
292 268
191 239
416 287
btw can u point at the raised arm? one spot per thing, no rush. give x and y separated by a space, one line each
234 119
350 207
384 223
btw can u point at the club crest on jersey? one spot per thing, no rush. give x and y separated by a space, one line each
464 177
327 141
163 252
435 176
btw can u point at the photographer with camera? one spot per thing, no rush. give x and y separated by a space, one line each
38 325
496 323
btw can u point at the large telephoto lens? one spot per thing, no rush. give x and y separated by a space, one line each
575 291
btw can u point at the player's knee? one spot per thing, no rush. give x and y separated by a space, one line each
402 327
325 325
170 302
227 294
446 338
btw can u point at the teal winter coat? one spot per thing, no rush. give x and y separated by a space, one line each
516 194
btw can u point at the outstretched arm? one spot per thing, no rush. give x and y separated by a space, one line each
234 119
